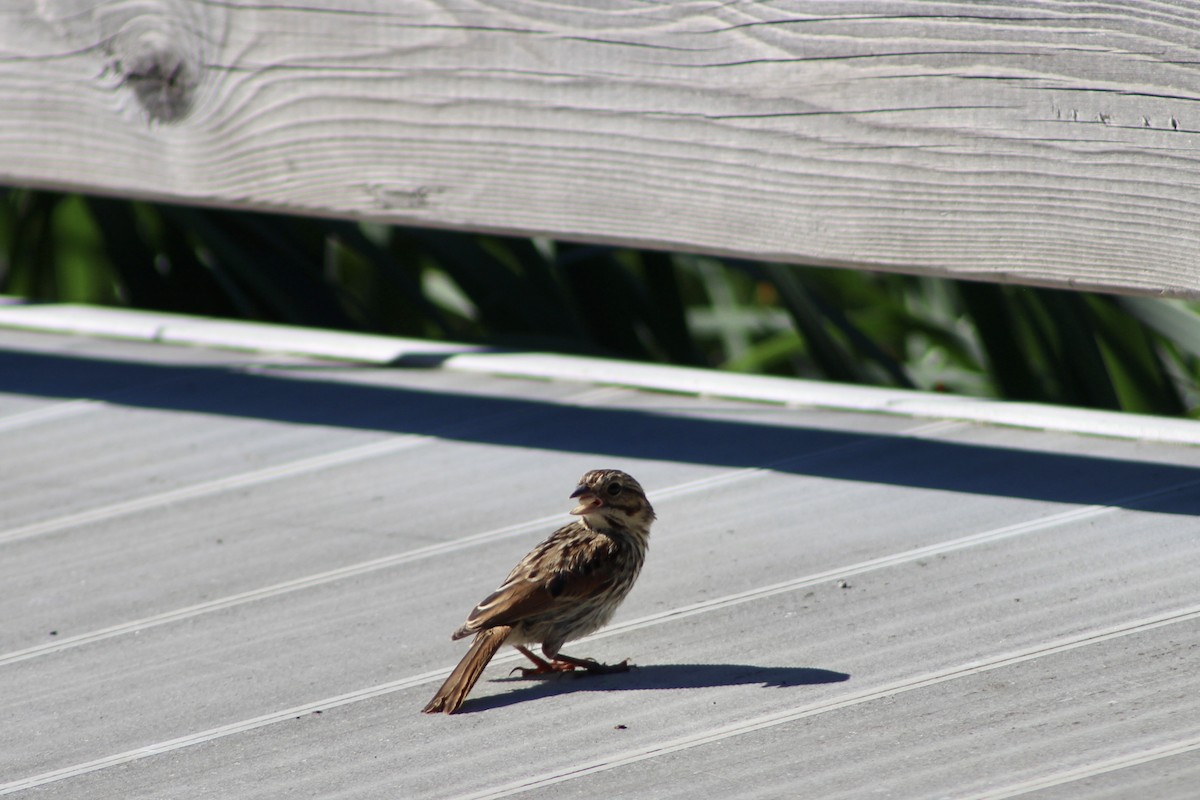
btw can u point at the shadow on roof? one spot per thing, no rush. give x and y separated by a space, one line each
610 433
657 677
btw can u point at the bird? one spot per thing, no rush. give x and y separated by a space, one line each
567 587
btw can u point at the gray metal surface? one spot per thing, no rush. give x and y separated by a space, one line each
231 575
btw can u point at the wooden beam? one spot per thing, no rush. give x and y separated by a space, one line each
1035 141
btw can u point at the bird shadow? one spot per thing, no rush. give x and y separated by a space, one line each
655 677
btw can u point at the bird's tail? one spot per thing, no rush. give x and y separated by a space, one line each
454 691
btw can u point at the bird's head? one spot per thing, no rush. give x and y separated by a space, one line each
611 498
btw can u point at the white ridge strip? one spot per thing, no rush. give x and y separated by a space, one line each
857 698
905 556
351 570
217 733
629 757
1090 770
372 349
384 562
274 590
821 394
57 411
390 445
361 568
860 568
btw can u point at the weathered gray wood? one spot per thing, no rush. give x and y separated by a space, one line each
1033 141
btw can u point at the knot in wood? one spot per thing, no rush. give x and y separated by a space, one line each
160 73
158 49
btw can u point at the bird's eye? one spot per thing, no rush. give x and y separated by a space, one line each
614 489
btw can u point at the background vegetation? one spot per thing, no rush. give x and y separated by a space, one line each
1024 343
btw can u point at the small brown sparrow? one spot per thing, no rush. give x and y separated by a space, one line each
567 587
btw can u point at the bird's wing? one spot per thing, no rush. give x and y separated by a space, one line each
521 598
536 587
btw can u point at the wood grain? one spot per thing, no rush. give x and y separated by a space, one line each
1053 143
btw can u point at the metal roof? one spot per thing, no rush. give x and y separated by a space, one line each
233 574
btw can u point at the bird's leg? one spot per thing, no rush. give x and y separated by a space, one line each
543 667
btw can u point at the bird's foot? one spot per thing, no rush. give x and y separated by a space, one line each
593 666
564 663
596 668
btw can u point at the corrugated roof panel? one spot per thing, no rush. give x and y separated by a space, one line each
235 575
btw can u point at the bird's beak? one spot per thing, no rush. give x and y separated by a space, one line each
588 501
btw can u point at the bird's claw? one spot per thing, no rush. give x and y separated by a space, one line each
545 668
588 665
597 668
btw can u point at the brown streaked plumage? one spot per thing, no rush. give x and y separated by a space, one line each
567 587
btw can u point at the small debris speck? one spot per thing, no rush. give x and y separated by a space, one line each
620 727
54 633
843 584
